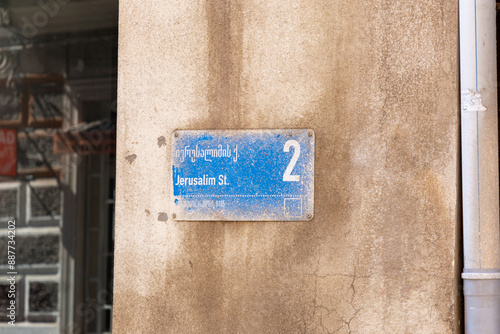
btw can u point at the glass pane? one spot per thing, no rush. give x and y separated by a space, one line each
43 296
47 105
111 230
94 201
8 203
93 254
90 313
95 164
9 105
111 187
107 320
32 249
4 302
98 59
45 201
35 152
109 272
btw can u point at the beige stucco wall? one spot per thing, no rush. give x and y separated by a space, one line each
377 81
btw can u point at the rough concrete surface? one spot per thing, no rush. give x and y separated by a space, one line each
377 82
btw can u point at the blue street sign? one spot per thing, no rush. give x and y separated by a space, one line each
243 175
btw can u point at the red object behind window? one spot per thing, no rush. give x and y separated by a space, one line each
8 152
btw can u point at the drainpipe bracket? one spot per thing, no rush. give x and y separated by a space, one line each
472 101
481 275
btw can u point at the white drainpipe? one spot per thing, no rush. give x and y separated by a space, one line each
478 80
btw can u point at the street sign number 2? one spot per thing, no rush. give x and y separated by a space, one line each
296 153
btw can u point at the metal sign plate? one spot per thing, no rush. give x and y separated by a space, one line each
247 175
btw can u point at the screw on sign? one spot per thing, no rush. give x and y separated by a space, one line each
8 152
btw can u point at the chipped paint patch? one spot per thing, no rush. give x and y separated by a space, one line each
162 141
162 216
131 158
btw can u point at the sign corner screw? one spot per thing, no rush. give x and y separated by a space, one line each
310 133
174 215
309 216
176 134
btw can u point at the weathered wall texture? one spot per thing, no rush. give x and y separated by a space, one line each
377 81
